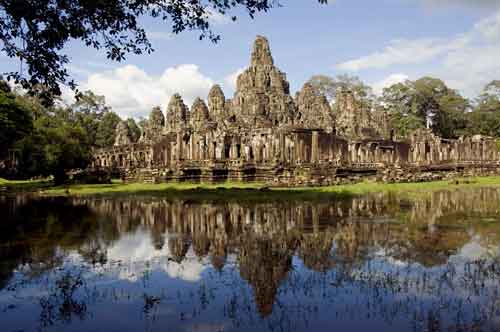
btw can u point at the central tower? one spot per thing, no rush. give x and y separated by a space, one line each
262 98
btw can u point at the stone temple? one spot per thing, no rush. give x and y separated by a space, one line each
265 134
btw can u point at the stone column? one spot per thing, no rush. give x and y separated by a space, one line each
314 147
283 147
179 146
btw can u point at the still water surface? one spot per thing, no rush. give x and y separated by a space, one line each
374 263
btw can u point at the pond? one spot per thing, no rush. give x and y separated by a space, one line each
381 262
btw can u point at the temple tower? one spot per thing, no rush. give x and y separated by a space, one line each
177 113
262 97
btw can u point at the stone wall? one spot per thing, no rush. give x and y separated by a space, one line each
263 134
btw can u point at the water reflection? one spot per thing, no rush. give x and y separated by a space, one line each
376 262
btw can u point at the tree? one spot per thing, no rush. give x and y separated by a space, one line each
489 99
328 86
63 148
36 32
485 117
134 130
450 120
106 129
56 145
89 110
426 102
398 99
15 122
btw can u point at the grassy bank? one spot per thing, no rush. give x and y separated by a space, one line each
24 185
257 191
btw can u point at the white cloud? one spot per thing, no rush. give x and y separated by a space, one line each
230 80
131 92
392 79
466 61
489 28
403 52
136 252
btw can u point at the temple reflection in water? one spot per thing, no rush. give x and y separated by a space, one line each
274 247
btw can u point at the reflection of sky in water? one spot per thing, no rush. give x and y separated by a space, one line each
136 249
263 285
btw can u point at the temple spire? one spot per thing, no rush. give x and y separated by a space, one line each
261 54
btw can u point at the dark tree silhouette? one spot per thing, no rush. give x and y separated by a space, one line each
36 32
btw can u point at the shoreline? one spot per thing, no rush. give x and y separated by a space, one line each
235 190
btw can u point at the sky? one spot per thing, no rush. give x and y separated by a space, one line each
383 42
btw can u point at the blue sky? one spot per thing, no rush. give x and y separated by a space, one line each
382 42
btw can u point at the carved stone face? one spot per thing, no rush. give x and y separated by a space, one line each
199 113
176 112
216 101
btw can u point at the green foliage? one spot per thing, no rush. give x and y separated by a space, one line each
489 99
399 100
328 87
485 117
106 129
15 122
64 146
413 104
134 130
96 118
450 119
53 140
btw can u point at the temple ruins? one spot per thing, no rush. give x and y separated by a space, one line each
265 134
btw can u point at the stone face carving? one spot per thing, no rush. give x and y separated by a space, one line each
313 109
262 93
122 134
153 127
199 114
350 118
264 134
177 113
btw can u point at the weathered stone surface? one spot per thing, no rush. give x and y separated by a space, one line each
313 110
262 98
154 126
177 113
122 134
216 104
263 134
199 114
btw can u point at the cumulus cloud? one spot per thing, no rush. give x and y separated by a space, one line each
230 80
467 60
132 92
392 79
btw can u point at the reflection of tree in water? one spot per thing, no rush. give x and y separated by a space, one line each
337 238
61 304
38 232
429 248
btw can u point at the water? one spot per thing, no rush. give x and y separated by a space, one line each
374 263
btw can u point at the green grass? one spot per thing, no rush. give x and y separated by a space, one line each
23 185
259 191
247 191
